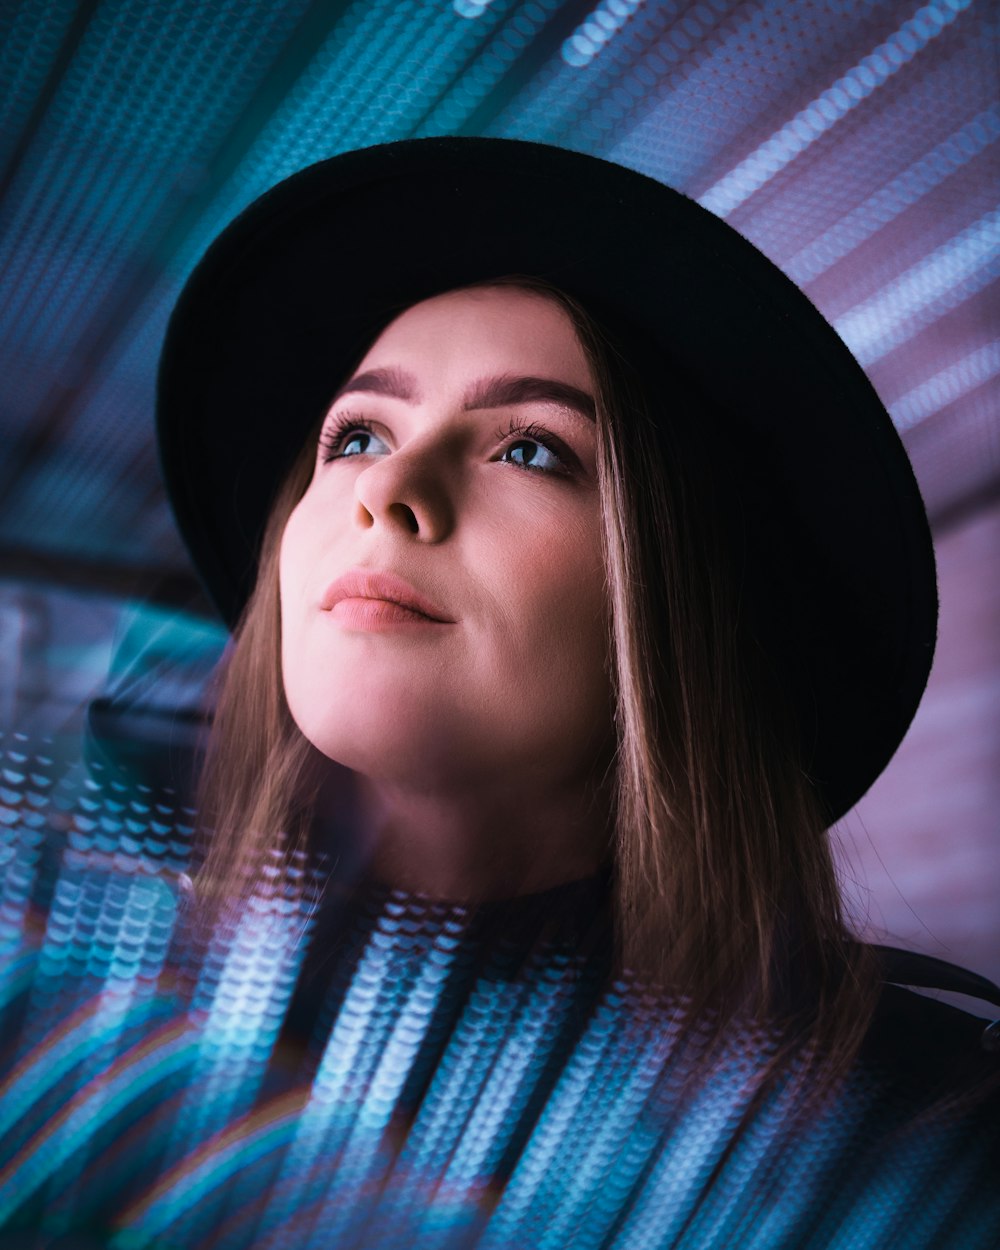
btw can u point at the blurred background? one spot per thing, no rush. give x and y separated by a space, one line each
854 142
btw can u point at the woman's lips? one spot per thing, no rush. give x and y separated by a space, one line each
374 614
373 599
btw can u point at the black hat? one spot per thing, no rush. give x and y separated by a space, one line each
292 292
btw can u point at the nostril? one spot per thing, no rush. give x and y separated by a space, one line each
407 516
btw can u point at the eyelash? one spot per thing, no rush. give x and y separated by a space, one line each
333 438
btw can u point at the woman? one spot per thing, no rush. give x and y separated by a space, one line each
481 747
559 641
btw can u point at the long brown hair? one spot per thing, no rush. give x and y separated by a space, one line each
724 886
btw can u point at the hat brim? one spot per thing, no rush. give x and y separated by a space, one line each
290 294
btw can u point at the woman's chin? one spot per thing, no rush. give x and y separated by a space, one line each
410 755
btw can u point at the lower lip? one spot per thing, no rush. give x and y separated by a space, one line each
378 614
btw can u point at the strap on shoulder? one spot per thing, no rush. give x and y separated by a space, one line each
902 967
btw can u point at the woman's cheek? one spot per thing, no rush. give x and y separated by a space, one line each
297 556
569 610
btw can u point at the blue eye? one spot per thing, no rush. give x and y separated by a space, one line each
358 440
528 446
349 436
531 454
533 448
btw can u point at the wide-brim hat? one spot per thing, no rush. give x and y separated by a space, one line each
840 567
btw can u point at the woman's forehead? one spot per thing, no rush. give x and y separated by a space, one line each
475 331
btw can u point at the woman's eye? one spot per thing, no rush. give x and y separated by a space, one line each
527 446
356 443
354 439
531 446
530 454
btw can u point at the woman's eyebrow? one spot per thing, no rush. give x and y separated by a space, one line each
391 381
486 393
499 392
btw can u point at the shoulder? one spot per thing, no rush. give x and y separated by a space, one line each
907 1150
926 1055
918 1038
921 1024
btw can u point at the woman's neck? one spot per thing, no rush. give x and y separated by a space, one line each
483 843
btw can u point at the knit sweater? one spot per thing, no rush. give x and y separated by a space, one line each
360 1067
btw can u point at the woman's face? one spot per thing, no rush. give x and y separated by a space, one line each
461 460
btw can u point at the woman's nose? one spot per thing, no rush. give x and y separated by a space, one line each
406 490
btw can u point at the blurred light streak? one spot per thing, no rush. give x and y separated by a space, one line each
599 29
24 795
30 38
947 386
445 1109
732 190
163 657
597 1152
240 1001
485 73
921 1169
952 273
471 8
563 103
453 1058
328 109
159 1056
16 974
214 1164
71 198
348 1205
495 1107
384 1017
696 1146
117 404
70 1043
889 201
535 1191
